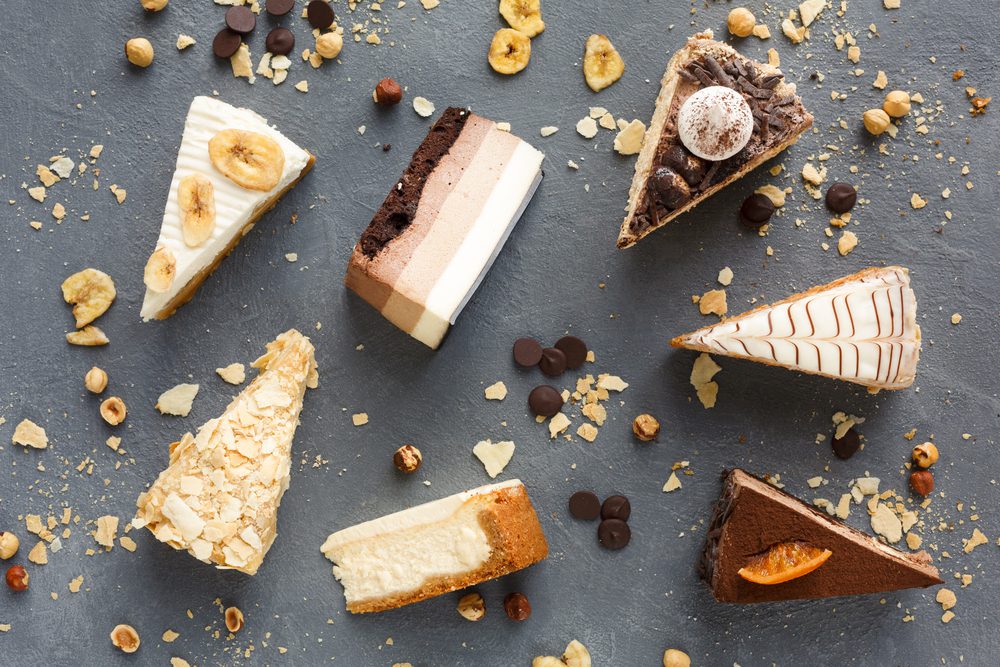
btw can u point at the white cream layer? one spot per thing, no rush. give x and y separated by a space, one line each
397 553
234 205
863 331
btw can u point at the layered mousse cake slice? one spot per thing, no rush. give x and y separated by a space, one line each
438 231
764 545
232 167
218 499
437 547
861 328
718 116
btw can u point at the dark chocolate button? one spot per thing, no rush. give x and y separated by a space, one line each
320 14
527 352
616 507
553 361
280 41
845 447
841 197
279 7
226 43
756 210
672 188
584 505
240 19
613 534
574 349
691 168
545 400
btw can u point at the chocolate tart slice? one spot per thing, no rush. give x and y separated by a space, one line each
779 119
752 516
861 328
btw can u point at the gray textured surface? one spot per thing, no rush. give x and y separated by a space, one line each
626 606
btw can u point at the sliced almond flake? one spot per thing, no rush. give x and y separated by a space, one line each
587 431
494 455
672 484
169 636
558 424
177 400
974 541
241 64
630 139
496 391
107 527
847 242
885 523
359 418
38 554
548 130
127 543
75 584
611 382
184 41
234 373
423 106
725 276
30 434
113 442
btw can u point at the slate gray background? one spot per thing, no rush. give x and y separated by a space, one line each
627 606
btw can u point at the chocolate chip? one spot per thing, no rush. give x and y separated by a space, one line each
320 14
613 534
240 19
280 41
841 197
845 447
279 7
574 349
527 352
545 400
673 189
553 361
584 505
616 507
226 43
756 210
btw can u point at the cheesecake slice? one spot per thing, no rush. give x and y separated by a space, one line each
218 499
752 517
778 118
437 547
438 231
232 167
861 328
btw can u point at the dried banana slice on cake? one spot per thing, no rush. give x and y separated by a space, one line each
251 160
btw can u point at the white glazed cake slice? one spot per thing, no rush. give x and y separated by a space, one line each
232 167
437 547
218 499
861 328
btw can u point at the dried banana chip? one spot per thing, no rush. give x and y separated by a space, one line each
602 65
91 292
510 51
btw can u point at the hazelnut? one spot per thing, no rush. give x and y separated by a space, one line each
472 607
153 5
17 578
139 52
407 458
925 455
125 638
646 427
897 103
517 607
234 619
8 544
96 380
673 657
113 410
329 44
876 121
741 22
387 93
922 482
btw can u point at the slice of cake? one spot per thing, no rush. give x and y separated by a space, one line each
443 223
232 167
718 116
218 499
861 328
764 545
437 547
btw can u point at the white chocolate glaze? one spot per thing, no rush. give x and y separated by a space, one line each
715 123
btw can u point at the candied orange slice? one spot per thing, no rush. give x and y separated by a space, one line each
784 562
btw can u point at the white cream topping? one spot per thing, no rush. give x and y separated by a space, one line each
862 331
234 205
715 123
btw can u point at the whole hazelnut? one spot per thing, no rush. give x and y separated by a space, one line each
407 458
8 544
925 455
922 482
139 52
472 607
125 638
897 103
673 657
876 121
153 5
517 606
17 578
113 410
96 380
741 22
329 44
234 619
646 427
387 93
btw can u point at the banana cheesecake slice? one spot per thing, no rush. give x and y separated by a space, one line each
861 328
719 115
218 499
443 224
232 167
437 547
